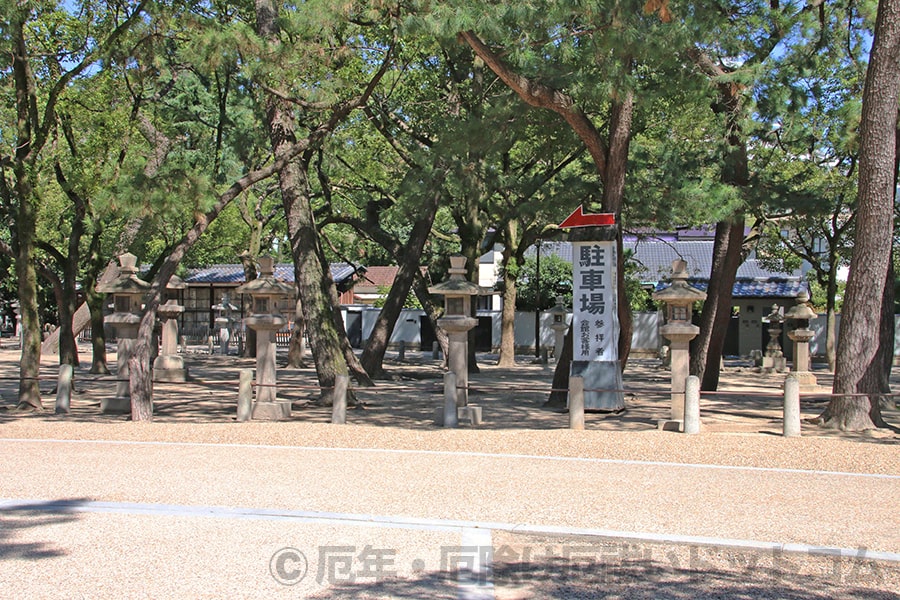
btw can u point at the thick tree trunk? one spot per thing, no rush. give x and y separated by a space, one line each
296 358
409 263
140 370
707 348
831 316
331 350
610 156
98 336
857 357
508 317
312 280
30 361
248 263
559 395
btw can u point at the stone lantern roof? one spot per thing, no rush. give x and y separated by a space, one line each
176 283
680 291
266 284
127 282
802 310
456 284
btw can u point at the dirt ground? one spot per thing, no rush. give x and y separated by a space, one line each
747 400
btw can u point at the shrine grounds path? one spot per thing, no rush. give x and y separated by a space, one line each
196 505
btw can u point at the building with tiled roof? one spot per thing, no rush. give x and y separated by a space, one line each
373 284
207 285
755 289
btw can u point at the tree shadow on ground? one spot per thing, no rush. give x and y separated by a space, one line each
634 579
16 517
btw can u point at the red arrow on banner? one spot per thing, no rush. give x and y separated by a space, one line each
579 219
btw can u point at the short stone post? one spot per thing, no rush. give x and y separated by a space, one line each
791 423
451 417
692 404
64 389
339 400
576 403
245 395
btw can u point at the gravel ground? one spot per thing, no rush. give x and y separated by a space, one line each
521 467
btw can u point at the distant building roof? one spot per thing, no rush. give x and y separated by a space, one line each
654 256
744 288
234 274
378 277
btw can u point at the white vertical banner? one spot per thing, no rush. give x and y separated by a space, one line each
595 320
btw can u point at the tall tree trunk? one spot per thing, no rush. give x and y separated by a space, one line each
857 357
610 156
409 263
248 263
316 288
559 395
94 302
432 311
508 316
621 116
831 317
296 358
29 397
716 315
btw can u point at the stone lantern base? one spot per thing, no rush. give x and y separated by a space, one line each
271 411
169 368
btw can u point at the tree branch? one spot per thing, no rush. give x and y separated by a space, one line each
542 96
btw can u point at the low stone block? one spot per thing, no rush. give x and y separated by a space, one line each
670 425
271 411
471 414
115 406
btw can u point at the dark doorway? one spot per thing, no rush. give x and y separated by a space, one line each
354 329
426 333
484 335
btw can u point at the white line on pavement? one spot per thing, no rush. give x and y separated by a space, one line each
582 459
400 522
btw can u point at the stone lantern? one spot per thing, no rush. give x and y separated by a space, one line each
802 313
559 326
774 359
223 322
267 302
127 292
457 322
679 298
169 365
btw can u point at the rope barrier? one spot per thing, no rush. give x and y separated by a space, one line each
436 387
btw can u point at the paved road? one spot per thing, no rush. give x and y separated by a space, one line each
108 519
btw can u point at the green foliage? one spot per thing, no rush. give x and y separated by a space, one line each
538 290
411 300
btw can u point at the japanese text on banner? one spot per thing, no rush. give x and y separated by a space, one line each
595 321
